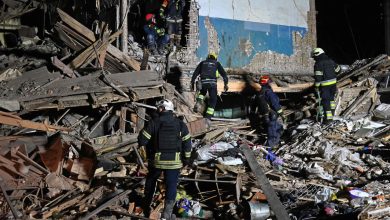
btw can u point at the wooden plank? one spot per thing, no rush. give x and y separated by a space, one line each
262 181
238 86
61 66
89 84
81 29
91 52
15 121
77 42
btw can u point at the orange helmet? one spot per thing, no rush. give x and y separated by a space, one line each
264 80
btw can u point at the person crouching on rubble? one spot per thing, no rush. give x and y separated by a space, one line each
325 75
170 149
269 109
156 37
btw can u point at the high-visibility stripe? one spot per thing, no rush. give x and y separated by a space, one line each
280 111
188 136
168 167
337 68
332 104
329 115
317 84
200 97
217 74
168 164
210 111
328 82
146 134
187 154
318 73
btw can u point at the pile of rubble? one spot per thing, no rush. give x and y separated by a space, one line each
74 104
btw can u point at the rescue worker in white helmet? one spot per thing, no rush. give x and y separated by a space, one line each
325 75
170 149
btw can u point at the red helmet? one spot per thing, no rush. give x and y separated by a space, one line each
149 17
264 80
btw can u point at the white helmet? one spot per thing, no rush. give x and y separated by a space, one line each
167 104
316 52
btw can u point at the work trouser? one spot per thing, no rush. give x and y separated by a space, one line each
171 178
327 100
174 26
274 129
211 88
153 39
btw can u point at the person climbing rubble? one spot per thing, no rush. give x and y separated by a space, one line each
269 109
156 37
209 71
325 73
171 149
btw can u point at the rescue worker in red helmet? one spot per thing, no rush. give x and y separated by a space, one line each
209 71
269 108
156 37
325 75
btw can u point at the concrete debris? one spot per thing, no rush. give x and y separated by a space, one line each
73 105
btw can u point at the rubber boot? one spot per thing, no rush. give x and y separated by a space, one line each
146 207
197 106
168 210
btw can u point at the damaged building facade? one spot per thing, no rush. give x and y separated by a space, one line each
77 89
259 36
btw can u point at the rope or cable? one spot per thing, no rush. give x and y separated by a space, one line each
350 29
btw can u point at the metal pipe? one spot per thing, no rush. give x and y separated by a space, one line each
124 11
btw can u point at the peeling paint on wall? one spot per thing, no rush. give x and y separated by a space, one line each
251 40
298 62
212 40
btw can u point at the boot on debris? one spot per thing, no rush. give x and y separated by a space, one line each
168 210
197 107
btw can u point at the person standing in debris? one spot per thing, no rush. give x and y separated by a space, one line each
171 149
155 35
269 109
209 71
174 20
325 73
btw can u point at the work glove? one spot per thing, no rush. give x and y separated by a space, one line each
187 162
226 88
160 32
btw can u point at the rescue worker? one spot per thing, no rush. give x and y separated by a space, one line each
174 20
208 71
269 109
156 37
325 73
170 149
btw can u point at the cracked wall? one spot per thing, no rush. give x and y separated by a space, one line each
258 35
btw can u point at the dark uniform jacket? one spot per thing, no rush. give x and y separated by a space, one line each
171 141
267 101
175 9
209 70
325 71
